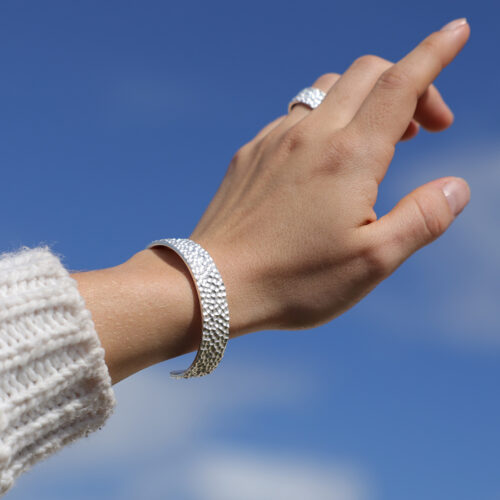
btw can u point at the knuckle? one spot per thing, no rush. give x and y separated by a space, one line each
370 61
294 139
242 153
376 259
430 44
394 78
338 149
430 221
239 158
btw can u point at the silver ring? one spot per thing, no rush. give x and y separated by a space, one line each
310 96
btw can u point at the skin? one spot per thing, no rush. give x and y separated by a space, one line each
292 227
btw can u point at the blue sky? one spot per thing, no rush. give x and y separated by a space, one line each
118 120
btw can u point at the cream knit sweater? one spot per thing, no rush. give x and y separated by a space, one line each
54 383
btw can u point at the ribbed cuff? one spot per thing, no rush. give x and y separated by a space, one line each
54 383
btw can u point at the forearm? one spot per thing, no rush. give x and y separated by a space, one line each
145 310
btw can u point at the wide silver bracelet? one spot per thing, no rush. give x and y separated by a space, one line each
213 303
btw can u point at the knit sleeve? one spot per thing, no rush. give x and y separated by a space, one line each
54 383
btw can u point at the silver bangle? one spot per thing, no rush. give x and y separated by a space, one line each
213 303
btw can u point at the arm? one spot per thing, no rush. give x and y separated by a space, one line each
146 310
292 228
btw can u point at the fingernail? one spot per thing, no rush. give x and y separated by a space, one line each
453 25
457 194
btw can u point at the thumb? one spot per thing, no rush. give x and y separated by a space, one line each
419 218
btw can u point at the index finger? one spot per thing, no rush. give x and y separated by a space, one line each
387 111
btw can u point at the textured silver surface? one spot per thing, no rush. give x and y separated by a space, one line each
310 96
213 302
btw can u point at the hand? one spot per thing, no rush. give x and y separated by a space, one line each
292 227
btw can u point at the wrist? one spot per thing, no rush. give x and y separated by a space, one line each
145 310
168 296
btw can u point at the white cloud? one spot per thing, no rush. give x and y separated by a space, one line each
235 474
174 411
247 476
164 441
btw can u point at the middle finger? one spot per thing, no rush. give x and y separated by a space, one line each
346 96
